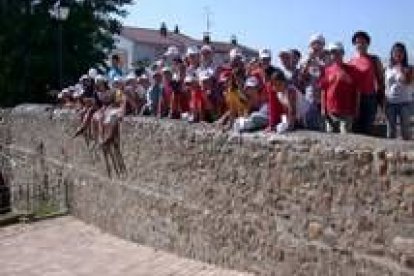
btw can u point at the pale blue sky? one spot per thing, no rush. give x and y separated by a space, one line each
283 23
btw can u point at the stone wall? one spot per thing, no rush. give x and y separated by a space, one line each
300 204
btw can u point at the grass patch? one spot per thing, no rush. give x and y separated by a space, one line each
45 209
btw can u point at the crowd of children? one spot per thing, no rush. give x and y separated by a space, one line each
319 91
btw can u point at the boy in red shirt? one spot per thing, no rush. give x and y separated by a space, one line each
339 99
199 103
281 102
370 84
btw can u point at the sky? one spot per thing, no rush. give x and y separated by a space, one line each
281 24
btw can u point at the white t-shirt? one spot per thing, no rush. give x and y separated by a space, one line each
112 115
302 105
397 91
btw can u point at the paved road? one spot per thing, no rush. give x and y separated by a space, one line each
67 247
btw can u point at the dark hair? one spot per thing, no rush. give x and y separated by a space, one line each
400 46
178 59
278 75
296 53
139 71
115 57
363 35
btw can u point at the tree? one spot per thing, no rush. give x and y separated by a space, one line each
29 44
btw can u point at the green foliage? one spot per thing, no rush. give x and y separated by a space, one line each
29 44
141 64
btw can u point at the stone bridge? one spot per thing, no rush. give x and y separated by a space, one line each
300 204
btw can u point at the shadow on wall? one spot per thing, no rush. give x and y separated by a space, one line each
4 196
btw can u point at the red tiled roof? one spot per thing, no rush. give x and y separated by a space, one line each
151 36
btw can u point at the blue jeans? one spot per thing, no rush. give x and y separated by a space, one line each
367 113
313 119
402 111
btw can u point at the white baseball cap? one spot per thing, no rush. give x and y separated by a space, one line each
192 50
159 63
166 69
251 82
172 51
143 77
78 87
117 79
336 46
176 77
78 93
317 38
63 93
235 52
130 76
205 75
100 78
206 48
265 53
190 78
92 73
83 77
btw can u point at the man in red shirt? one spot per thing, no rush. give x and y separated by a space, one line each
339 99
371 82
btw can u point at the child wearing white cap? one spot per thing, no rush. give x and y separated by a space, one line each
258 108
266 67
310 72
192 60
200 106
339 92
207 59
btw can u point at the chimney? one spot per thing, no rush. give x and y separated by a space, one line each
177 30
233 40
206 38
163 29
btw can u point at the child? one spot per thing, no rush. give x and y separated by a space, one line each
399 92
258 107
281 101
235 100
199 104
153 95
370 83
339 103
309 75
65 99
167 92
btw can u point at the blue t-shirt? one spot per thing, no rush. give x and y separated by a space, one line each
154 95
113 73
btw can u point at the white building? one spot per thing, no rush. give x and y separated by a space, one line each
136 45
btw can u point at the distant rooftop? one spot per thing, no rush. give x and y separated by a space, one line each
153 36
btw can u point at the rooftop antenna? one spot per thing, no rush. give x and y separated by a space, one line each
208 14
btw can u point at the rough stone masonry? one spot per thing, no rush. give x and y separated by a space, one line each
300 204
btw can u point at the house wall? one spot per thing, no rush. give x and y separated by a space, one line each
151 52
137 51
125 48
